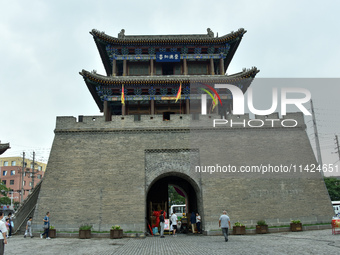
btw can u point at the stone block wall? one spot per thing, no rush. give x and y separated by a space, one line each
100 172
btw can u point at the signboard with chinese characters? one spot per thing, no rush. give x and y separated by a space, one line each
168 57
166 224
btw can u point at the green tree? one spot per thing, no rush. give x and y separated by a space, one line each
5 200
4 191
175 198
333 187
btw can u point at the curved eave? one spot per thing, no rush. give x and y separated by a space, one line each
167 41
4 147
103 55
92 80
93 92
112 80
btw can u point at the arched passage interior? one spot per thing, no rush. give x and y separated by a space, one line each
157 196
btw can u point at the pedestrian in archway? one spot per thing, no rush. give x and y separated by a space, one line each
161 223
193 222
198 223
174 222
224 222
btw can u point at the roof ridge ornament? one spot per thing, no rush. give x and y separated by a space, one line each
121 34
210 32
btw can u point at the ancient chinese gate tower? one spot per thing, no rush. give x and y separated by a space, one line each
115 169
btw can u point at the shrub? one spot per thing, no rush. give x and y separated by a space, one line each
261 223
296 221
85 227
238 224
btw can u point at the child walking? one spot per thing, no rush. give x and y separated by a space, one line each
28 228
7 226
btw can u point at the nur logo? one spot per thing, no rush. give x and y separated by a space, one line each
238 100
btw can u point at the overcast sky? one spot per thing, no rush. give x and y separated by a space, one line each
44 44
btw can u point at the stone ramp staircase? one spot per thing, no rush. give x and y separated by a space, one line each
26 210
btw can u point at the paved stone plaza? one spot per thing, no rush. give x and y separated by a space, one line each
307 242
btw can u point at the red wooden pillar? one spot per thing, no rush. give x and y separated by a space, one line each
212 72
222 72
123 109
185 67
124 67
152 107
151 67
114 67
187 106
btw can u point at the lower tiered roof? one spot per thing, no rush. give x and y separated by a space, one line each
109 88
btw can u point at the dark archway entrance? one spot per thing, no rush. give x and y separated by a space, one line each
157 196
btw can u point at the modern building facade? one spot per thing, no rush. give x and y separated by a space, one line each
14 178
160 97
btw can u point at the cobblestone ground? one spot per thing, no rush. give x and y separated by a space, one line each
307 242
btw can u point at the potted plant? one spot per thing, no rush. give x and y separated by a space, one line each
295 225
85 231
239 229
116 232
261 227
52 232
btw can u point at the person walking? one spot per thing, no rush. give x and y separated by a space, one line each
7 225
28 228
46 221
224 222
193 222
198 223
161 223
3 231
174 223
11 224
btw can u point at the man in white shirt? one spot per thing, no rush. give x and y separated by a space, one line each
223 223
3 231
174 222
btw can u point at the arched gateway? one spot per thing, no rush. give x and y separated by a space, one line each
165 167
105 170
157 195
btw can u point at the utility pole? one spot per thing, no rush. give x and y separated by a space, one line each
11 198
33 171
318 151
337 146
22 176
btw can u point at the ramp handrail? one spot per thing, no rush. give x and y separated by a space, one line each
26 208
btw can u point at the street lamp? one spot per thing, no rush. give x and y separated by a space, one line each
11 192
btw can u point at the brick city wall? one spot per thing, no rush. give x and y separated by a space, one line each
100 172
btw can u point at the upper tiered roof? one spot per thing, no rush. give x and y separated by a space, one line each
110 47
166 39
